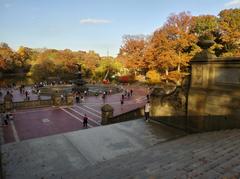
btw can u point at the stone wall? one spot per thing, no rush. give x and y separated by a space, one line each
212 99
166 101
131 115
215 87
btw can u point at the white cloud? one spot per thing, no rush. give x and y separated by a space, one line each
94 21
235 3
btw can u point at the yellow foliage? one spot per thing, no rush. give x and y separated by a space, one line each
153 76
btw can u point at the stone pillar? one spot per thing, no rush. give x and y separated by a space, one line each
56 98
107 113
8 102
215 85
69 99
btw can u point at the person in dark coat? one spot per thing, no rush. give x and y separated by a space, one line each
85 121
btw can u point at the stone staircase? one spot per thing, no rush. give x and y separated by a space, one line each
204 155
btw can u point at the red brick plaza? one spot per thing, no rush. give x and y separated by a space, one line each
39 122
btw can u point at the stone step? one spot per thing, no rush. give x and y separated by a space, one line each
204 155
193 160
159 156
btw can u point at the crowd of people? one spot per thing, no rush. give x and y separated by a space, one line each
125 95
26 92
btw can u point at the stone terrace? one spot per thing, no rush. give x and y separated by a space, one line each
205 155
127 150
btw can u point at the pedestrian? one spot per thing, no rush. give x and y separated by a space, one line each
2 118
147 110
131 91
122 102
11 116
6 118
62 98
148 97
77 98
125 92
82 98
85 120
128 95
122 96
26 94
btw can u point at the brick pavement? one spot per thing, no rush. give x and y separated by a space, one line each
34 123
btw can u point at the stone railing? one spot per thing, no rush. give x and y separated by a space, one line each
32 104
55 100
108 118
195 124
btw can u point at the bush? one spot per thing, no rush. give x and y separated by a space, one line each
153 76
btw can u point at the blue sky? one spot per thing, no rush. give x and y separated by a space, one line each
91 24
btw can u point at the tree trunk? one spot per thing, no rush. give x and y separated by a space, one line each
179 68
166 71
106 75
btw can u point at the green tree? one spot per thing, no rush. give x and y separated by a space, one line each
107 68
205 26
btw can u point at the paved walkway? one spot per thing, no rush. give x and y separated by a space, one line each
34 123
60 155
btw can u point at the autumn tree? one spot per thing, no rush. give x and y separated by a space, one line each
43 70
181 39
25 57
132 53
229 24
9 60
91 61
159 52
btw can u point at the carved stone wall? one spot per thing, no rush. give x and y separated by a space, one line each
168 101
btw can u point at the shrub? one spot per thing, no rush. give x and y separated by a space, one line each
153 76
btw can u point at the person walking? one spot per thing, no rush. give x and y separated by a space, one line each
104 97
128 94
2 116
147 110
122 102
82 98
131 91
122 96
26 94
77 98
85 121
62 98
6 118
